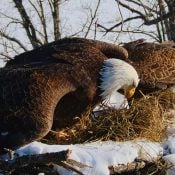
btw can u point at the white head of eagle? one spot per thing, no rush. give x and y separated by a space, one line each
117 74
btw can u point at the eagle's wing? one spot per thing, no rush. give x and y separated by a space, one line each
28 99
158 70
33 94
65 48
155 64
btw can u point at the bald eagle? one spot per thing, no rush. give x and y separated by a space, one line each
53 84
154 62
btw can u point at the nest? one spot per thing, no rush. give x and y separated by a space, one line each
147 117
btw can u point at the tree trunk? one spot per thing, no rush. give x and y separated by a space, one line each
56 19
27 24
171 8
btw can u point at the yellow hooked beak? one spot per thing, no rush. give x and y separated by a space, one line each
129 92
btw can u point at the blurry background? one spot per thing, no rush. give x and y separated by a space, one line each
27 24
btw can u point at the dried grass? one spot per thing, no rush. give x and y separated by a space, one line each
147 117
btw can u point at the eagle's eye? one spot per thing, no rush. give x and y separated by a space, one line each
121 91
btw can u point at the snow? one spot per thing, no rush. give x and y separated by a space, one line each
116 100
170 159
99 156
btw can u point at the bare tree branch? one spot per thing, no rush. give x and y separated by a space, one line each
43 20
13 39
93 16
162 31
136 31
40 13
27 24
171 29
118 24
46 158
59 158
5 56
56 19
133 10
10 17
143 16
54 6
145 7
158 19
121 21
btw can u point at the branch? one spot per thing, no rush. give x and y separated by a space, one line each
92 18
158 19
10 17
70 167
27 24
41 18
81 30
139 16
151 34
140 3
145 17
58 158
121 20
130 8
11 47
43 21
54 7
3 34
38 159
5 57
118 24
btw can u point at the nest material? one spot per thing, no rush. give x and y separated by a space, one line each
147 117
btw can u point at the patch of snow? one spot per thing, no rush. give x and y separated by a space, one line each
169 146
98 156
170 160
116 101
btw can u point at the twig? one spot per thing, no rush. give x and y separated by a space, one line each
70 167
13 39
